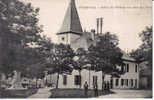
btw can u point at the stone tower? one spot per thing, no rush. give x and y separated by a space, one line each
71 30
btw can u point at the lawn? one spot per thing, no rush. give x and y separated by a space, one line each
17 93
75 93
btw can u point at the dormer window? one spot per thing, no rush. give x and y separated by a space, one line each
63 38
136 68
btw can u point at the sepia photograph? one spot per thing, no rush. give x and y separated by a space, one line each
76 49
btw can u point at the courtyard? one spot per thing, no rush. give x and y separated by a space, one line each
129 94
79 93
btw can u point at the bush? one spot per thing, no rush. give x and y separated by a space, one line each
18 93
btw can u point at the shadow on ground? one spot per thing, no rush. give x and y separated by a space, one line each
75 93
17 93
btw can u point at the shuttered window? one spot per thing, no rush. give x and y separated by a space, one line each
136 68
117 82
77 80
64 79
122 82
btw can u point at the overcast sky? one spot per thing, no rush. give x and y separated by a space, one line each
126 23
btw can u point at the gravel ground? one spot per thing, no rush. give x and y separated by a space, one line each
129 94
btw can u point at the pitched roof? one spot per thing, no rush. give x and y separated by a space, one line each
71 22
127 57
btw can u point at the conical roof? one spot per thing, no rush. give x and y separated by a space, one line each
71 22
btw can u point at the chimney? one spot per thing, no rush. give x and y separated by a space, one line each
101 25
93 34
97 25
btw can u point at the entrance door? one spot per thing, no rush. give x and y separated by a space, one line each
94 80
111 83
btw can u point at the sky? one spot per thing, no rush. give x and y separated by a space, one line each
126 22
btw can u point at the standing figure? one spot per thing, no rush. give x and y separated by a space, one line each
85 88
96 90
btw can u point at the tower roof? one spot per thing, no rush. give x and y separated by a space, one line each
71 22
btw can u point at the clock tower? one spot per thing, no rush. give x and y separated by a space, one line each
71 30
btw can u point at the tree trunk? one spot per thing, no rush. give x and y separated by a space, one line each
36 82
57 80
103 81
80 77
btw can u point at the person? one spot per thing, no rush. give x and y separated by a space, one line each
108 86
96 89
85 88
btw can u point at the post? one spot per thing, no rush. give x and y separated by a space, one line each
89 76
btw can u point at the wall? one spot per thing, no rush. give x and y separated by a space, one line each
75 41
84 77
87 75
128 75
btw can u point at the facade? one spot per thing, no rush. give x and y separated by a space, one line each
74 80
71 30
130 78
71 33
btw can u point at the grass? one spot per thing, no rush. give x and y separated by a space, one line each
17 93
75 93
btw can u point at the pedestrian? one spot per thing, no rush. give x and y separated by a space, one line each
96 89
85 88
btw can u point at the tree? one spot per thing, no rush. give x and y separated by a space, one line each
18 29
144 52
62 60
79 60
105 55
39 58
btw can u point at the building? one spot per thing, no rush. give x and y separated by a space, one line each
130 78
71 33
145 76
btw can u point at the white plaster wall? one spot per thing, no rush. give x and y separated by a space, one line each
66 38
84 77
128 75
87 75
75 41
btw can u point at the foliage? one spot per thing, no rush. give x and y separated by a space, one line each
62 58
79 60
18 30
105 55
144 52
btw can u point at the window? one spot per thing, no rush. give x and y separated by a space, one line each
117 82
94 79
111 83
122 82
63 38
126 82
77 80
127 70
136 68
64 79
132 82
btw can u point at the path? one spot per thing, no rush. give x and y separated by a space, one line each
42 93
129 94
